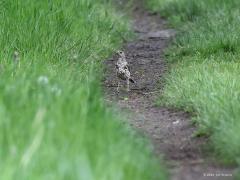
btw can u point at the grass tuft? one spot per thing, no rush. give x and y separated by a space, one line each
205 68
53 121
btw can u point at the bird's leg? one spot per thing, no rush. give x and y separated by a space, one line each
118 86
128 89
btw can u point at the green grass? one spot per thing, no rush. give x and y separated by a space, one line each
53 120
205 68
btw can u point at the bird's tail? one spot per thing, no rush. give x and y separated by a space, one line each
131 80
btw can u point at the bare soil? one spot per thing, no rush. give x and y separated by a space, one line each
170 131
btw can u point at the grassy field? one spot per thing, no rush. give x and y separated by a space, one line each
205 68
53 120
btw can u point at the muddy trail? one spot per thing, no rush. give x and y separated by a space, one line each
170 131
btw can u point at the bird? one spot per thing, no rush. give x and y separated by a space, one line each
122 70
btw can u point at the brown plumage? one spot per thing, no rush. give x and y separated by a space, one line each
122 70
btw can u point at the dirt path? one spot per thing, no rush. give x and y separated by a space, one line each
169 130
